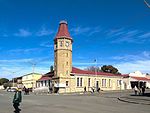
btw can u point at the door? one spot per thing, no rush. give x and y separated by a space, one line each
97 85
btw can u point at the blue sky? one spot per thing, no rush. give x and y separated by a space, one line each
114 32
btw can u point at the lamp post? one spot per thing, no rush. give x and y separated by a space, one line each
33 66
95 72
13 79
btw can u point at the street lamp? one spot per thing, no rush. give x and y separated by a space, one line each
95 74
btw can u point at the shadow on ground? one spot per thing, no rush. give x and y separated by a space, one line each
144 95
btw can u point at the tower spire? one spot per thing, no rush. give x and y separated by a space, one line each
63 30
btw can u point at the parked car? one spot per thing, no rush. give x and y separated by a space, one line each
12 89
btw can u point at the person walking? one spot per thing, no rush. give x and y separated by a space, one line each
135 90
17 100
98 90
143 90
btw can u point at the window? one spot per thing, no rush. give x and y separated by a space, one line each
80 82
103 82
45 82
55 45
61 43
109 82
77 82
89 82
118 82
67 83
67 63
67 43
67 72
41 83
66 54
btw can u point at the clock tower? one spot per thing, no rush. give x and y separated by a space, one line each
62 54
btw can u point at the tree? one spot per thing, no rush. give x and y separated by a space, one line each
109 69
51 68
3 80
93 69
7 85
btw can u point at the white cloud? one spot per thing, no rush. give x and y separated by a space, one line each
23 66
79 30
145 55
140 65
23 33
85 30
24 50
10 73
145 35
44 32
5 35
46 44
131 63
120 35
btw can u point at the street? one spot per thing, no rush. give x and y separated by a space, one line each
100 103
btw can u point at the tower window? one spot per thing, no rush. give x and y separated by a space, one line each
55 45
66 54
67 43
67 72
61 43
67 63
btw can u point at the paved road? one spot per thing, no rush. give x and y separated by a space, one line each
103 103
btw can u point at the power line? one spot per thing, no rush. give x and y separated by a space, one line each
148 5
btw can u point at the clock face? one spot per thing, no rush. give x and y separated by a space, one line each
67 44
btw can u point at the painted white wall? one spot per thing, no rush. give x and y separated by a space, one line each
137 74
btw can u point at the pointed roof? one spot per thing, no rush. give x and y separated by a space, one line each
63 31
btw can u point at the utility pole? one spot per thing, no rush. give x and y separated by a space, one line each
13 78
95 73
33 66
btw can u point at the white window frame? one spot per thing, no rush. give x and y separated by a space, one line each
89 82
104 83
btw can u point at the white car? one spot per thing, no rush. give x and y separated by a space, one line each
12 89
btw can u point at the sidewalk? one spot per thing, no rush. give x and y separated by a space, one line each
136 99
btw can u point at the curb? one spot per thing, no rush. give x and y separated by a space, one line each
123 100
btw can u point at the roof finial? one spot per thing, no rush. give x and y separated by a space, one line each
63 22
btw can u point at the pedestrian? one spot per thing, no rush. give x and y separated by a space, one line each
98 90
85 89
25 90
143 90
50 90
92 88
135 90
17 100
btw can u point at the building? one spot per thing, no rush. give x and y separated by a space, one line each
66 78
138 79
45 80
29 80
